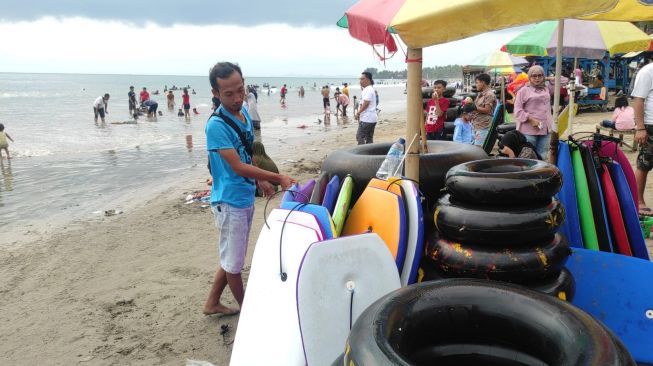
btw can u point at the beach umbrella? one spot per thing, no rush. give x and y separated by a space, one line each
581 39
425 23
497 60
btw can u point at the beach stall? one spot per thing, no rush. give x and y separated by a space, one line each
414 24
580 39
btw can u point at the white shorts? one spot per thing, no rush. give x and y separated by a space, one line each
233 225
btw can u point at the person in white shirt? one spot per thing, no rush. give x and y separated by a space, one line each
100 106
643 107
366 115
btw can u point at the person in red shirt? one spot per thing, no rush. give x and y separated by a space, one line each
144 95
284 90
436 112
186 102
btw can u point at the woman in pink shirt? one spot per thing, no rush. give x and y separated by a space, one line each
533 111
623 117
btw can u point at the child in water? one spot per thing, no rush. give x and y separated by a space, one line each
3 141
180 113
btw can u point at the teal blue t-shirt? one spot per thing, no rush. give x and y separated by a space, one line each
228 187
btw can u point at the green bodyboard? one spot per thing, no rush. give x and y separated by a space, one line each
343 203
590 240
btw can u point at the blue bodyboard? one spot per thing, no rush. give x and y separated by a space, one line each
629 212
617 290
567 195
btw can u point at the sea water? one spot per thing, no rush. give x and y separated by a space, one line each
65 167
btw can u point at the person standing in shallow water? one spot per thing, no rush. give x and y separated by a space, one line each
100 107
234 182
186 102
131 96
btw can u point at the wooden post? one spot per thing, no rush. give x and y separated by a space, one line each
414 111
553 153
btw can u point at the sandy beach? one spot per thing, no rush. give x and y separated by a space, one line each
129 289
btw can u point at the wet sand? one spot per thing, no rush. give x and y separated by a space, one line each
129 289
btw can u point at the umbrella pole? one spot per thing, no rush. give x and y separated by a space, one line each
572 99
553 154
414 110
503 92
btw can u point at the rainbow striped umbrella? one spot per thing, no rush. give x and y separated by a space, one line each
582 39
497 59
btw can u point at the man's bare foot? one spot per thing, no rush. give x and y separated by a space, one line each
220 310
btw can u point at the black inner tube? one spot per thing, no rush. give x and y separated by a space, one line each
473 354
461 322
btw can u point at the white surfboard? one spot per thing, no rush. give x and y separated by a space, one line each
338 280
415 241
268 330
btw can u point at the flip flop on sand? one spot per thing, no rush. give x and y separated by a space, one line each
645 211
227 312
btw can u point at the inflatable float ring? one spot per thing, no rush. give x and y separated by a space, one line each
504 182
519 225
362 162
474 322
511 264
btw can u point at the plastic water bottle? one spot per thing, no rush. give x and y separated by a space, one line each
392 162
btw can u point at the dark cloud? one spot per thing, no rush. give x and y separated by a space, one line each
168 12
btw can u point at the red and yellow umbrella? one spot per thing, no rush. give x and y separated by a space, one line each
422 23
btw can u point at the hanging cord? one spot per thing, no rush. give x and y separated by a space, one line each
403 158
282 274
351 309
265 208
351 286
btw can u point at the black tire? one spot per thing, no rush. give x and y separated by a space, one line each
498 227
504 182
509 264
452 114
474 322
363 161
505 128
561 286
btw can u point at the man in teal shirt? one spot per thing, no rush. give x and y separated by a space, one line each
234 182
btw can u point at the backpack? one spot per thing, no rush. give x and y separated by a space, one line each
243 139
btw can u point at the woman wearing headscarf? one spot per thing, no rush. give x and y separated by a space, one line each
533 111
514 145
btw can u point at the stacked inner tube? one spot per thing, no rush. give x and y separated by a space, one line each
475 322
499 221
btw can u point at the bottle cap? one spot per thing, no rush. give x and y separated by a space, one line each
402 141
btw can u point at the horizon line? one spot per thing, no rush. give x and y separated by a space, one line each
123 74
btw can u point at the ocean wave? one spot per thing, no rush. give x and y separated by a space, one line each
31 94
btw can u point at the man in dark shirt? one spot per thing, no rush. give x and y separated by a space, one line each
132 101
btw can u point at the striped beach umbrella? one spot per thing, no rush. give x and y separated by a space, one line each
497 59
582 39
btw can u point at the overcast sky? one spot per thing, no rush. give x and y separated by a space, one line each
267 38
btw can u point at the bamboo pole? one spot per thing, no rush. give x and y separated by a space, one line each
553 154
572 97
414 110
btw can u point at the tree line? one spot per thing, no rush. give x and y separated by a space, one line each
436 72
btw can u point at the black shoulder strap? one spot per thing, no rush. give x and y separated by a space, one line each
232 124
